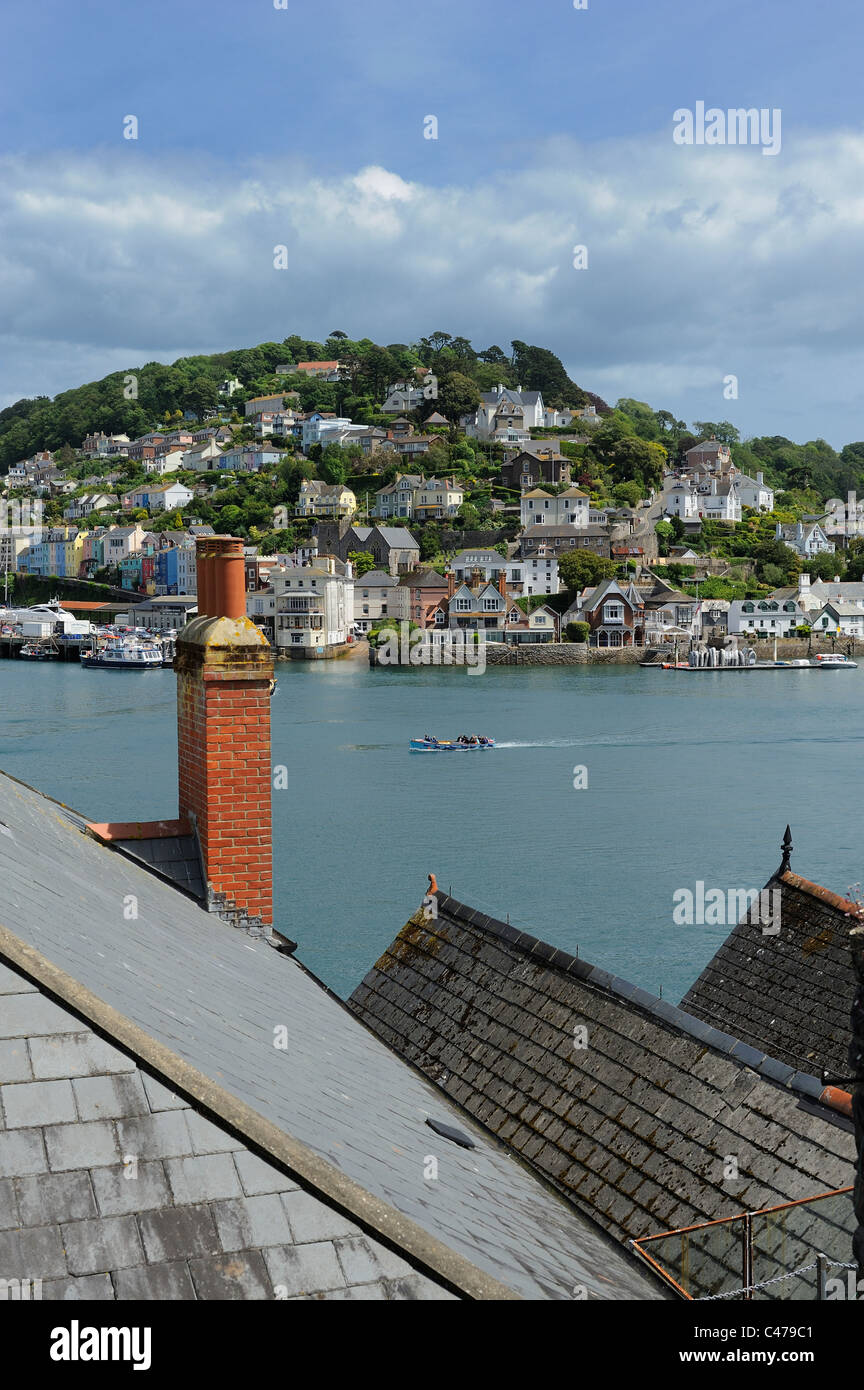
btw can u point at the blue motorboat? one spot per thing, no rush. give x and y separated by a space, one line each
465 743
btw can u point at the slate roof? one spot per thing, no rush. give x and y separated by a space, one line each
197 1215
200 1002
789 994
377 579
635 1122
397 537
422 579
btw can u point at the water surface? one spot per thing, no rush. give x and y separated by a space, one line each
689 777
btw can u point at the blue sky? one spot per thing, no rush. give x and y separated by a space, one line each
303 127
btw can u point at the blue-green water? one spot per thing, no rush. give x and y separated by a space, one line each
689 777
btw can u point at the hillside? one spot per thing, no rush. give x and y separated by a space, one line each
132 401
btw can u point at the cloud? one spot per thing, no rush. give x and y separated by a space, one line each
701 263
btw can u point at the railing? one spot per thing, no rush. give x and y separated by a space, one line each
782 1252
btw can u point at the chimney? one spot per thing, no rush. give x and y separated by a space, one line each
759 478
224 668
451 584
803 583
502 583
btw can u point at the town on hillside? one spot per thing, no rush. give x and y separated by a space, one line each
429 485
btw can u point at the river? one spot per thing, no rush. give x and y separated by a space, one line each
689 777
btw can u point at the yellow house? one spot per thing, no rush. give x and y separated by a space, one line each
74 554
325 499
437 497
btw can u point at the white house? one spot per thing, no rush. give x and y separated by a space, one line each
88 503
506 415
169 462
776 617
158 497
754 492
541 508
840 617
378 595
321 429
721 502
314 607
201 455
682 500
805 539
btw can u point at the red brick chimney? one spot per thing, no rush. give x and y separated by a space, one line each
502 583
224 668
451 584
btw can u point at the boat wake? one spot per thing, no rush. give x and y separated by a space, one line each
541 743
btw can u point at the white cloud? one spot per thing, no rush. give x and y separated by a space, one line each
702 262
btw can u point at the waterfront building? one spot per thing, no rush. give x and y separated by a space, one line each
378 595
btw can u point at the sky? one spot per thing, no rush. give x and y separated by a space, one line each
717 281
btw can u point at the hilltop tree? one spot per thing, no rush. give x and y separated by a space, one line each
538 369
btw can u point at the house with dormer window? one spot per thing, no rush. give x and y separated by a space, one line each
774 617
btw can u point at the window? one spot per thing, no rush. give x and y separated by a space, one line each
613 612
489 605
463 605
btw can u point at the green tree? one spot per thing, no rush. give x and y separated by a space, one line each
457 396
664 534
362 561
630 494
579 568
332 465
469 516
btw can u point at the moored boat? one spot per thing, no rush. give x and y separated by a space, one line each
123 654
833 661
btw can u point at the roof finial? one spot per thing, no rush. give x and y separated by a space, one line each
786 849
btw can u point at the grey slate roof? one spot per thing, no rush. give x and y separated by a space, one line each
788 994
397 537
195 1214
637 1124
213 998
